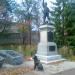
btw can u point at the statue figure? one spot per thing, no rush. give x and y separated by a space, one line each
46 12
37 64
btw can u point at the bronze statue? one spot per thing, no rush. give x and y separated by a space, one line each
46 12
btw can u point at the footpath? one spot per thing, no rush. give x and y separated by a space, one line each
62 68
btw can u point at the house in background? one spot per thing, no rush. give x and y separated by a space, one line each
18 33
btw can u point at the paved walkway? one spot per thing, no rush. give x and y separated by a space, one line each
63 68
69 72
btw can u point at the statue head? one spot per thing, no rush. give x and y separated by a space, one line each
45 4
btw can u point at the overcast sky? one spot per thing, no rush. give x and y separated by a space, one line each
48 2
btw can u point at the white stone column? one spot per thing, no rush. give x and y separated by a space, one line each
47 49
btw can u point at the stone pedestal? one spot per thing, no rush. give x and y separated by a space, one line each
47 48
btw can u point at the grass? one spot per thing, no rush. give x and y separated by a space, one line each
67 53
71 58
29 50
26 50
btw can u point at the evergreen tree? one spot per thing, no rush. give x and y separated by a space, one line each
63 17
70 26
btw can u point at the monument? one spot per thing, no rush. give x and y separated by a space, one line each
47 48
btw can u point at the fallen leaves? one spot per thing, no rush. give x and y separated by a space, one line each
15 71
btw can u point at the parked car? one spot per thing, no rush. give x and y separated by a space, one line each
12 57
1 61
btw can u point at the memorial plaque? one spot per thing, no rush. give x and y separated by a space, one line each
50 36
51 48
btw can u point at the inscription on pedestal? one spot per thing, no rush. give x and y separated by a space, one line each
51 48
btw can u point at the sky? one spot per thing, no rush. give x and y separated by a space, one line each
48 2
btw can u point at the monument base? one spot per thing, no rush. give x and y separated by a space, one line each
50 59
47 49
